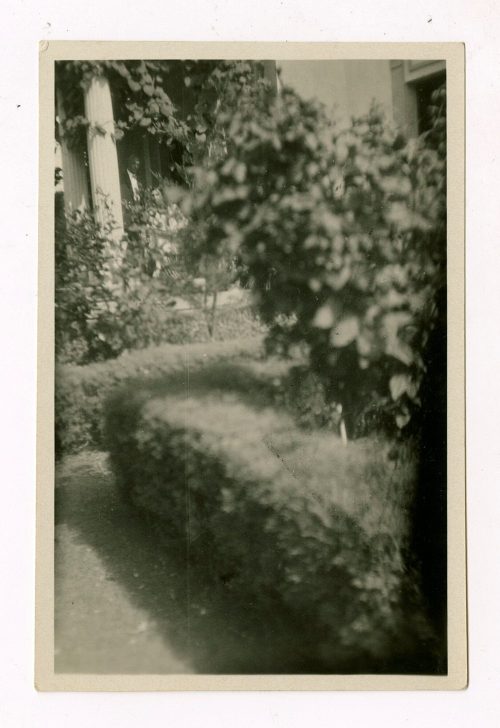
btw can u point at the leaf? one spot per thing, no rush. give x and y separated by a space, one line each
385 162
345 332
402 419
338 280
398 385
134 86
341 152
392 324
240 172
367 345
324 318
399 215
331 223
311 141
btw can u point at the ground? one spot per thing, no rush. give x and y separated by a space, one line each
122 605
104 565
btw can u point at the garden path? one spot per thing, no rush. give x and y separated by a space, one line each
103 562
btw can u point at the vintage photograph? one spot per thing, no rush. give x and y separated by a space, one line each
251 406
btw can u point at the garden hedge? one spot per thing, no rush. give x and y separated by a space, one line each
292 518
80 391
138 322
190 326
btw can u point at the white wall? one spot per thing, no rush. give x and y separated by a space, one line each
347 88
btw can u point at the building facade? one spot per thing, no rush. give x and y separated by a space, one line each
348 87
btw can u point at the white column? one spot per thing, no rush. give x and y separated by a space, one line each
76 193
103 158
271 75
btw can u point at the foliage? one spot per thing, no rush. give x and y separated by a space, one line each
106 300
190 118
154 228
169 246
141 100
342 233
436 136
82 390
220 89
429 509
257 504
101 312
83 278
112 297
303 393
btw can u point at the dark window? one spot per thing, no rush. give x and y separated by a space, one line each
424 90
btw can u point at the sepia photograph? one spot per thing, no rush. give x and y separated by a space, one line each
252 379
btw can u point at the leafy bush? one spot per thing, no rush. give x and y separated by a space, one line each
103 298
82 281
342 233
303 394
82 390
191 326
288 518
189 121
153 227
112 297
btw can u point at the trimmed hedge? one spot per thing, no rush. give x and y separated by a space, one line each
190 326
292 518
81 391
151 323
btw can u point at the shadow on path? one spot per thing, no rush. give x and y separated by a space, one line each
124 605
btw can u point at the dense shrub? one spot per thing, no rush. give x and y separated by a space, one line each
189 121
303 394
83 288
81 391
112 297
342 233
192 326
151 323
290 518
105 302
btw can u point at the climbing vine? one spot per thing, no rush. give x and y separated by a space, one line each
184 103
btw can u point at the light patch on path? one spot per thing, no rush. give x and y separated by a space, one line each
98 627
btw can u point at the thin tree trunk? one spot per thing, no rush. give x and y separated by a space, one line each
211 322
